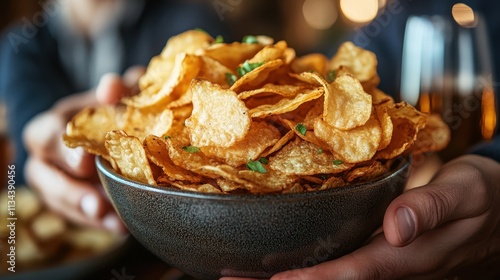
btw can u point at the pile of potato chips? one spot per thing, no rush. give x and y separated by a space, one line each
251 117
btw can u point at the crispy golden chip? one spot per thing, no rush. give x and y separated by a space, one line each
187 157
286 105
190 42
315 62
89 127
366 173
351 146
333 182
257 76
157 152
386 125
407 121
141 123
214 71
231 55
282 90
160 68
219 118
130 156
269 182
347 105
261 136
434 136
303 158
360 62
281 142
254 118
379 97
185 69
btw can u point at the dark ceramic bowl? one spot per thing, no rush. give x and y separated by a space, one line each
212 235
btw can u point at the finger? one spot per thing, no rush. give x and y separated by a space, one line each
110 89
458 191
378 260
77 200
132 75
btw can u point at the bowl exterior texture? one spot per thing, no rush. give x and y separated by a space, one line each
209 235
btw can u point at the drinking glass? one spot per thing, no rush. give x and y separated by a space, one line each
447 70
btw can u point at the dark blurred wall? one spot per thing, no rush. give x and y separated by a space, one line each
12 10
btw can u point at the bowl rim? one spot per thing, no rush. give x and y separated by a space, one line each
104 167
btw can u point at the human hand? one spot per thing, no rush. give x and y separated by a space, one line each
447 228
65 178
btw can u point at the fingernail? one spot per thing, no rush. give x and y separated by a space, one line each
74 157
89 205
112 223
406 224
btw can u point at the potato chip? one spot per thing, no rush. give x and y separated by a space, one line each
366 173
157 152
300 157
185 69
160 67
253 118
333 182
269 182
88 128
282 90
434 136
214 71
261 136
314 62
386 125
360 62
257 76
231 55
130 156
219 118
286 104
351 146
281 142
407 121
190 42
346 97
141 123
186 158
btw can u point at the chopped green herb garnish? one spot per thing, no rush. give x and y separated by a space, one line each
263 160
320 151
249 39
219 39
331 76
191 149
337 162
302 129
256 166
231 78
167 137
247 67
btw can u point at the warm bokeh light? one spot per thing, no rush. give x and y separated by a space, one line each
320 14
359 11
489 115
464 15
381 3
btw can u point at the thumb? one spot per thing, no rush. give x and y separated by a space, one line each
458 191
